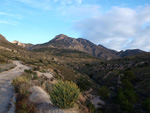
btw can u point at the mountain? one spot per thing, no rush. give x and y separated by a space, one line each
68 43
122 84
9 50
22 44
64 42
4 43
130 52
2 38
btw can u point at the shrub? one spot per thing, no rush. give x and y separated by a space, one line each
83 84
129 75
18 82
91 107
28 71
64 94
22 85
24 106
127 84
123 98
35 77
99 110
40 60
127 106
146 105
48 87
24 90
104 92
28 76
131 95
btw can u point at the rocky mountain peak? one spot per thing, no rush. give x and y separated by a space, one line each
61 37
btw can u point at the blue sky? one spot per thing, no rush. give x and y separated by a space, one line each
116 24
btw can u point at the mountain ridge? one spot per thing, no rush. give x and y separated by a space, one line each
2 38
62 41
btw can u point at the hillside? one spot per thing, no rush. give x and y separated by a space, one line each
6 44
109 86
126 78
63 42
12 51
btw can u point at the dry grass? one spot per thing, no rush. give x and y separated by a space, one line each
6 67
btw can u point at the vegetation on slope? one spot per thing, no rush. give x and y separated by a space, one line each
122 83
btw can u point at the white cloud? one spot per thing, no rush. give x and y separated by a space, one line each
50 4
17 16
41 4
119 28
8 18
66 2
3 13
69 8
8 22
80 11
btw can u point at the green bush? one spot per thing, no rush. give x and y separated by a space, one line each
99 110
35 77
28 71
104 92
126 105
129 75
28 76
91 107
83 84
146 105
127 84
21 85
24 106
64 94
24 90
131 95
124 101
19 80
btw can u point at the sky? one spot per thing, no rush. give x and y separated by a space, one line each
115 24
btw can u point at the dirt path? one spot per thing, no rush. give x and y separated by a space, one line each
6 89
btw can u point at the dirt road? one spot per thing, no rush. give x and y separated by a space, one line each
6 89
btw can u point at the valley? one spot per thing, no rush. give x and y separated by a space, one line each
118 79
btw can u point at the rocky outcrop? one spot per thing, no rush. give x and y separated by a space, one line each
18 43
22 44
